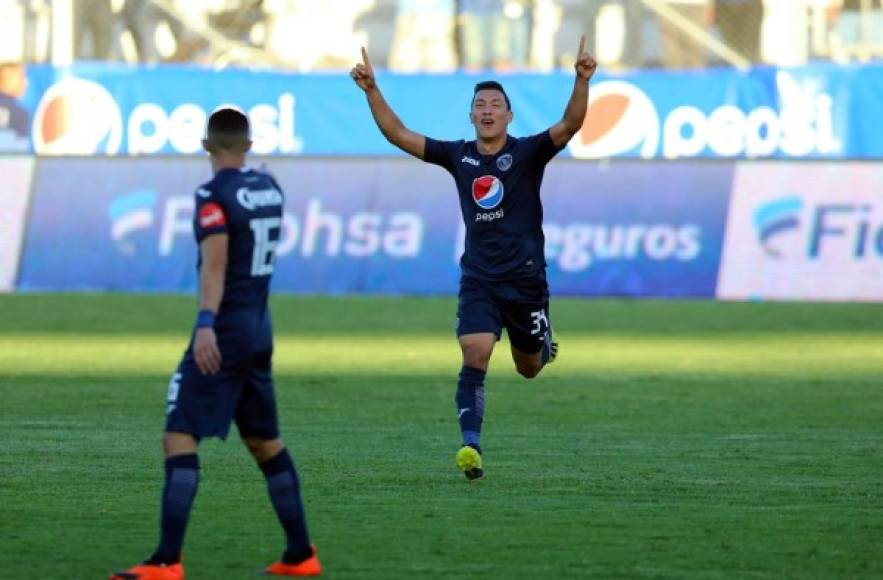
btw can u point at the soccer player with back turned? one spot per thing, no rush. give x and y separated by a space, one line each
503 282
225 374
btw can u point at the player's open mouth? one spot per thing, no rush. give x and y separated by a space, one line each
487 122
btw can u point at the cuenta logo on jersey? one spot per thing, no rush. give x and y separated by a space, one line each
792 227
624 120
81 117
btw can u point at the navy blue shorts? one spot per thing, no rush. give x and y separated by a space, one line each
520 306
205 405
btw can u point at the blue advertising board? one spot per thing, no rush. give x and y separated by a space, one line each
813 112
376 226
635 229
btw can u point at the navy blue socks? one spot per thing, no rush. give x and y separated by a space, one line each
182 479
284 488
470 404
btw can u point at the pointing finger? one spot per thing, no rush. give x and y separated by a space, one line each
365 58
582 45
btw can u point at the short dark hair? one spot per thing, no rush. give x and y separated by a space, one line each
228 128
491 85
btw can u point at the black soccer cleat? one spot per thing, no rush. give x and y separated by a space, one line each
553 352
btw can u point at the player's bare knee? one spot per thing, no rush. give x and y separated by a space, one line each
476 356
478 361
528 370
254 445
262 449
178 444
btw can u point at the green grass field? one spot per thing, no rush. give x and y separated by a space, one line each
671 440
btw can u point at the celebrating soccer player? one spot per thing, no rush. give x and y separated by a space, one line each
503 283
225 373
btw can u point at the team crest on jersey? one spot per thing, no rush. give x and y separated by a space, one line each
504 162
487 191
211 215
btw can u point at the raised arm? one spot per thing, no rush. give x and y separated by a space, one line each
575 112
388 122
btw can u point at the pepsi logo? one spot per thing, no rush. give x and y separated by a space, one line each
77 117
620 118
487 191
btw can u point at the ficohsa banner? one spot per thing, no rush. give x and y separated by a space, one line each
804 232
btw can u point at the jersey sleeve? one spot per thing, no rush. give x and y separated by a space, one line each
541 147
211 215
441 152
274 183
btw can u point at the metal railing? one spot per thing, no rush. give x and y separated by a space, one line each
443 35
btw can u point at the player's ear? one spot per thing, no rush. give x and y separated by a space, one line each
247 146
206 146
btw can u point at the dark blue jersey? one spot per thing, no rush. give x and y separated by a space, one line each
500 201
247 206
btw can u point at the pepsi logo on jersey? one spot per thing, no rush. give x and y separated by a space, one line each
487 191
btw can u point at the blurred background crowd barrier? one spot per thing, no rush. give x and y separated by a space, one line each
441 35
731 149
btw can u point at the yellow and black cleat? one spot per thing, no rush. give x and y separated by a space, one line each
469 462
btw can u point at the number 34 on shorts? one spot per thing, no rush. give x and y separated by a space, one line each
540 322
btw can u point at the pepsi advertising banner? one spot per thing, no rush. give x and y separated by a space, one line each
377 226
814 112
